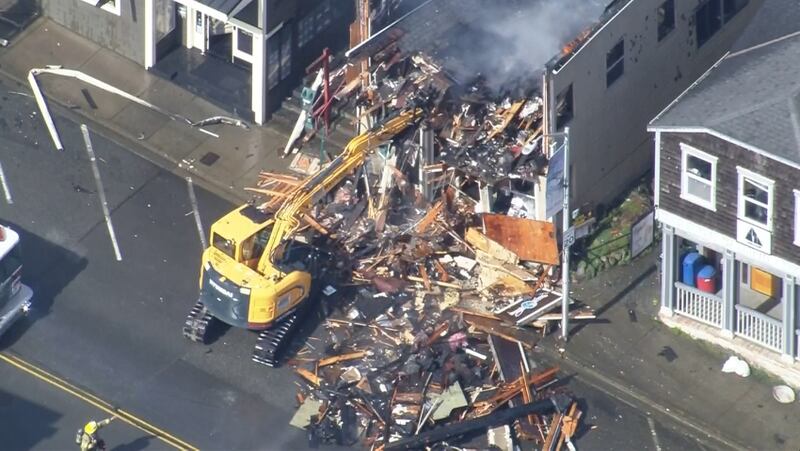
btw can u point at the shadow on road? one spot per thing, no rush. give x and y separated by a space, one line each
24 423
136 445
47 268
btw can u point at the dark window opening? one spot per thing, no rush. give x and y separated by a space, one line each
712 14
666 18
615 62
732 7
564 108
10 264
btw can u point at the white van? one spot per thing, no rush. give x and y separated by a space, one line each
15 298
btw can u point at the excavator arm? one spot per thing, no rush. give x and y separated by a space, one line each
317 186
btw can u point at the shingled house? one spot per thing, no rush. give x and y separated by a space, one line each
727 172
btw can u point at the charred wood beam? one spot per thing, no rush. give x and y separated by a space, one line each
556 403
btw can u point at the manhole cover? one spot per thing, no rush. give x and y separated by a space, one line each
209 158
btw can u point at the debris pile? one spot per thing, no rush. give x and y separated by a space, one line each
427 330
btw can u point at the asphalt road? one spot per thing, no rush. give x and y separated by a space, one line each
113 328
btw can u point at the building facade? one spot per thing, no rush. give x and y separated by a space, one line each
727 170
245 55
641 55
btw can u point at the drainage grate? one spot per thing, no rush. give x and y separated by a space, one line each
209 158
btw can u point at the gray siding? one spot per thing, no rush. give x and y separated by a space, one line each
723 220
123 34
611 147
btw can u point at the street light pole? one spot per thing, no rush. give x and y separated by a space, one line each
565 242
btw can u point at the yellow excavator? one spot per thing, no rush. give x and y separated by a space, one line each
255 274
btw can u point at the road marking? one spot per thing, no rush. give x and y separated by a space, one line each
193 200
100 192
652 425
5 186
89 398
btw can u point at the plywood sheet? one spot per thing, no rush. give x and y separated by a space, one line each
531 240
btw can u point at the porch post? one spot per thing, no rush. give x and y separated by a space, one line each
149 34
729 292
485 198
258 82
669 267
789 320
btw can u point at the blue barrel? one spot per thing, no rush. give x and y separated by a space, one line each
692 263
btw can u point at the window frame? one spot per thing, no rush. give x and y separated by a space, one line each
755 179
796 217
663 32
619 62
112 6
686 152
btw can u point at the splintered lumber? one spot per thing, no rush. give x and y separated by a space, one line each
531 240
508 116
496 327
434 282
492 248
308 375
341 358
314 224
429 217
418 441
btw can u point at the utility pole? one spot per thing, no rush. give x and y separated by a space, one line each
567 238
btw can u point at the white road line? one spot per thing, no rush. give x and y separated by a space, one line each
652 425
196 212
100 192
6 191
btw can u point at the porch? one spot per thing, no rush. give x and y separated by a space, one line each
223 83
739 299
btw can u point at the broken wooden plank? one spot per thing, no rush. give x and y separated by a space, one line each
341 358
529 239
308 375
429 217
435 282
492 248
495 327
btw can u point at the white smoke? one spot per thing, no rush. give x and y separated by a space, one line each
518 37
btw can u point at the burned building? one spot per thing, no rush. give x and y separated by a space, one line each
244 55
540 66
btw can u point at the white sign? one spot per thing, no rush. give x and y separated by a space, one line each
569 237
754 236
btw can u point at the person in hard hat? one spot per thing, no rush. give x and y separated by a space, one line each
89 439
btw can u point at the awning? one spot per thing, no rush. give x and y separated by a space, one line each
222 10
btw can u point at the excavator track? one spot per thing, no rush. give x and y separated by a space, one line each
272 342
197 323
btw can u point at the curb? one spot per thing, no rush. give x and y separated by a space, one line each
638 399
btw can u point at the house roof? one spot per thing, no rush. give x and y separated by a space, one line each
752 95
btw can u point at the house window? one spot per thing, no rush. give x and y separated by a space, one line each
732 7
305 30
279 55
564 107
797 218
112 6
708 20
666 18
615 62
755 198
712 14
698 177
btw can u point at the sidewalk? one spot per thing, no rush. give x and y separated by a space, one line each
667 370
225 165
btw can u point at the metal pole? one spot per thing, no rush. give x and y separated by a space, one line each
565 214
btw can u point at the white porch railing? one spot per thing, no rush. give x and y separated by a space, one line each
698 305
759 328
